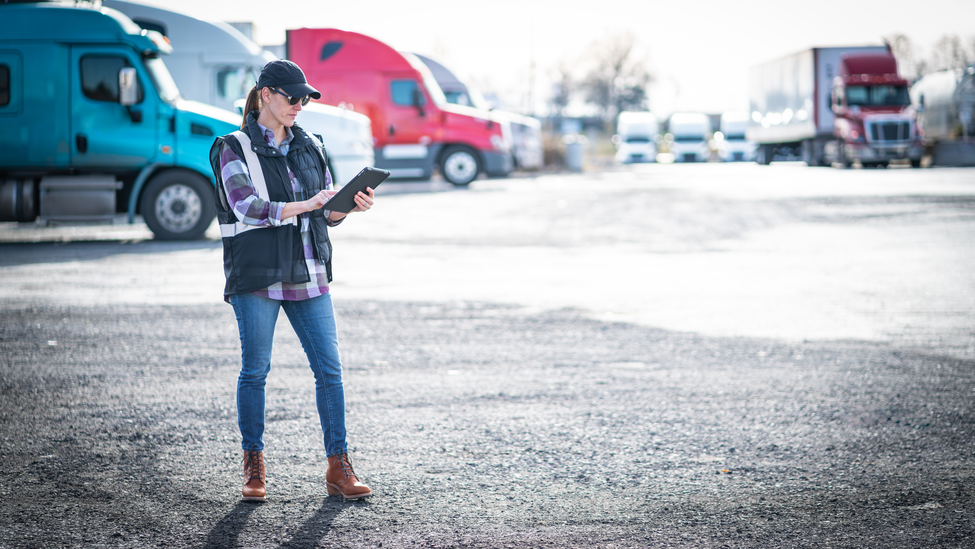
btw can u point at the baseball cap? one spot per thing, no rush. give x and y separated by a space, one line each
287 76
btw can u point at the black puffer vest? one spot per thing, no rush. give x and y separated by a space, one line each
257 257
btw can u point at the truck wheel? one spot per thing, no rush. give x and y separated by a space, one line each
459 165
178 205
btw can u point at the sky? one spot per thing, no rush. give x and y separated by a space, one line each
698 52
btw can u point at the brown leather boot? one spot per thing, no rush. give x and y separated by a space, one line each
340 479
254 476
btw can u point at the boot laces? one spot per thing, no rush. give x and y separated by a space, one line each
254 463
346 464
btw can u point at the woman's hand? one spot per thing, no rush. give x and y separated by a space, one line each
292 209
319 200
363 201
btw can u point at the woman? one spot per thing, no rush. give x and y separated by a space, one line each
272 181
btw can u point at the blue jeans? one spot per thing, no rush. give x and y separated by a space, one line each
314 322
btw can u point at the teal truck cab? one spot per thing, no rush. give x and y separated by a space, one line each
93 124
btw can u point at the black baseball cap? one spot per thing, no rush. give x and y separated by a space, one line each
287 76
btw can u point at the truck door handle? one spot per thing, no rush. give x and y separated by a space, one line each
392 130
135 115
81 142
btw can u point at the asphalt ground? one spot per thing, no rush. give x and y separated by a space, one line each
661 356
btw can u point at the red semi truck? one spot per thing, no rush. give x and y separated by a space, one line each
826 105
415 128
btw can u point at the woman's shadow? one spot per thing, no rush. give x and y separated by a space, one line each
225 533
317 526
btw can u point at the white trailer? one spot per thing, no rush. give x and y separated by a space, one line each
945 102
214 63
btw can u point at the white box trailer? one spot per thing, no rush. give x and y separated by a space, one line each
789 101
214 63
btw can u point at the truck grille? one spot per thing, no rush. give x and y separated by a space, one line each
890 131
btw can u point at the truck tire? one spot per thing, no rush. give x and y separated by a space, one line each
178 205
459 165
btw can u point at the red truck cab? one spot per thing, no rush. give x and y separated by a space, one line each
414 127
875 122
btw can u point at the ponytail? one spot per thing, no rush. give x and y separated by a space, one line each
253 103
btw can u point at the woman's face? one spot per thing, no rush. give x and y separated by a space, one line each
279 108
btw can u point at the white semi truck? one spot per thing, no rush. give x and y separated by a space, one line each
636 137
214 63
733 146
690 133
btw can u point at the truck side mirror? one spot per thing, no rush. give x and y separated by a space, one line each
418 101
128 90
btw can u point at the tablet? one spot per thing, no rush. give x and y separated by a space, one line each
343 201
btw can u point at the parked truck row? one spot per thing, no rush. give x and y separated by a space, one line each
93 123
96 123
214 63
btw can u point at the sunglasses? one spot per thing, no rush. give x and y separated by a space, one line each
294 100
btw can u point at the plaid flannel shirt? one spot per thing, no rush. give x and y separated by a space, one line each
253 210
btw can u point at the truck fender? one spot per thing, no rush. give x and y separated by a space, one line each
140 182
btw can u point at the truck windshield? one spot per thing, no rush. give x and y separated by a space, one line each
234 83
168 91
877 96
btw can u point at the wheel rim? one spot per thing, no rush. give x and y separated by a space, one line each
460 167
178 208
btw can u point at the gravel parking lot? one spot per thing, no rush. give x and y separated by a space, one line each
662 356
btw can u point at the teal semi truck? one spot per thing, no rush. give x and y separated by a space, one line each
92 124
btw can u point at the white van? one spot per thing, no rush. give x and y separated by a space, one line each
690 132
636 137
214 63
732 145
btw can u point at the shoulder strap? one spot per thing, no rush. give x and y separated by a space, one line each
253 165
260 186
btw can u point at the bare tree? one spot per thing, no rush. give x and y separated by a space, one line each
563 88
949 53
909 63
619 76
